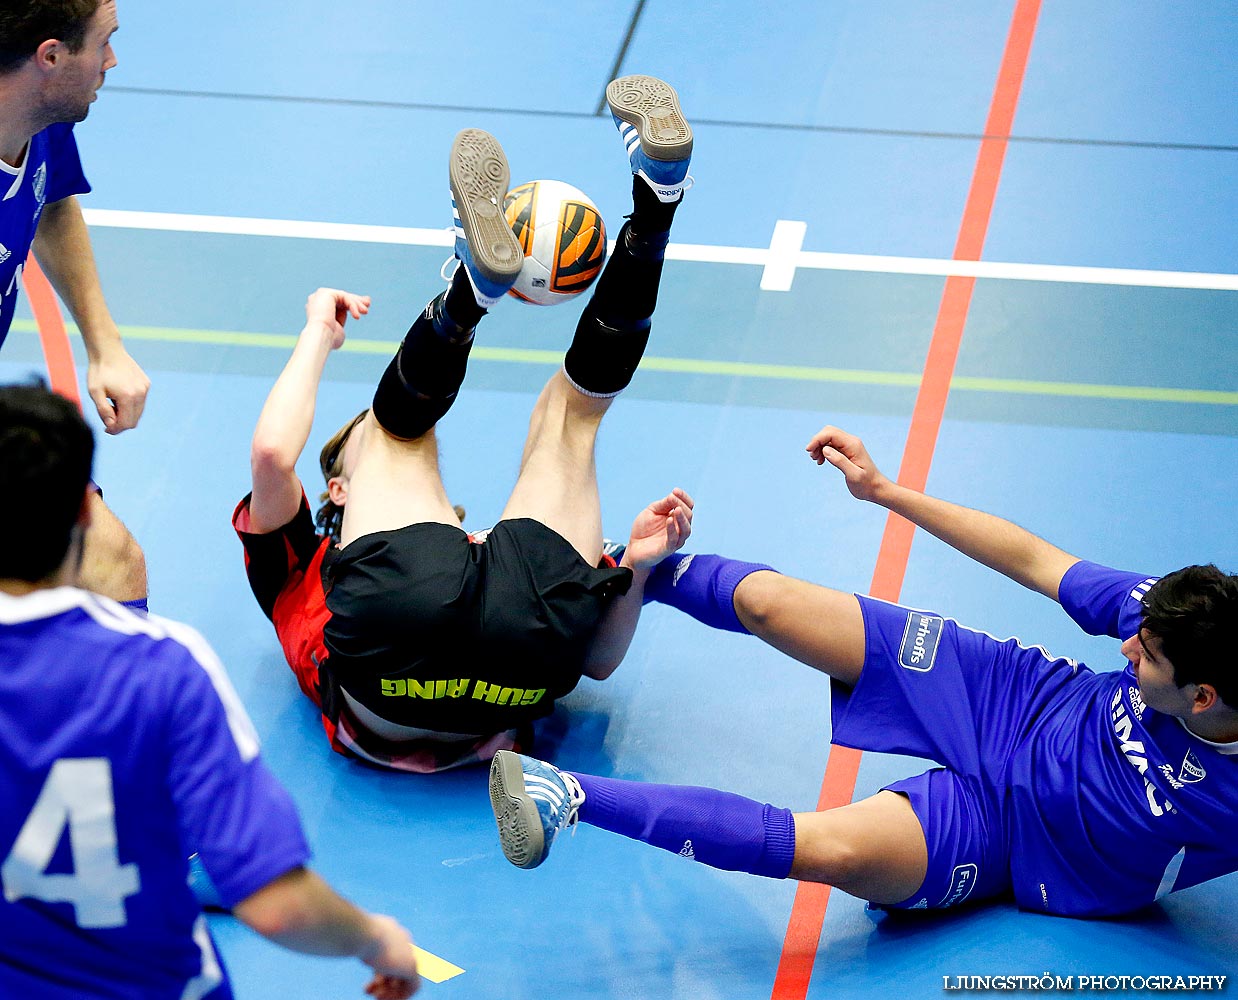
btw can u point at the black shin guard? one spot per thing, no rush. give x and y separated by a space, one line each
614 328
422 380
627 289
604 357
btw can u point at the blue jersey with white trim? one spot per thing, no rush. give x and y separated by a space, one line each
49 171
123 749
1116 804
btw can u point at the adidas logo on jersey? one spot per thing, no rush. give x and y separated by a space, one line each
687 852
1192 770
5 253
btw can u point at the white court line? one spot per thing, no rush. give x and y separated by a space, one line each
780 260
287 228
784 255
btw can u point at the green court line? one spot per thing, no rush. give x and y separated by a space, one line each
702 366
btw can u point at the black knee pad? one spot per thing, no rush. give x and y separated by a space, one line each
421 382
603 358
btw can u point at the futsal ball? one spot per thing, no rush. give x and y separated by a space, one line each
563 238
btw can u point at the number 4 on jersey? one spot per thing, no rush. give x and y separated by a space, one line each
77 794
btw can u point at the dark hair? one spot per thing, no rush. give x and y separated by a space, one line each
330 516
24 26
46 451
1194 612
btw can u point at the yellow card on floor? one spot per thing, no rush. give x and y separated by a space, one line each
435 969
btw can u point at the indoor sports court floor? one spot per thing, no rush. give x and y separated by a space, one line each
853 160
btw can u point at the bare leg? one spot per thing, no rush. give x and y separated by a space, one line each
395 483
396 480
557 484
874 849
113 564
818 626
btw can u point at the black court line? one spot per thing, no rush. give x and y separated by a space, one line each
620 56
766 126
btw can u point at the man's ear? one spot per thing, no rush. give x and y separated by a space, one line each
1204 698
48 54
337 490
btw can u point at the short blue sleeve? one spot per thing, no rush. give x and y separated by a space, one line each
1104 601
64 165
232 811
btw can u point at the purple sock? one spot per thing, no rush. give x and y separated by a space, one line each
716 828
702 586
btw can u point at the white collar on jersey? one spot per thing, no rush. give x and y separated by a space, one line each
44 603
18 173
1229 749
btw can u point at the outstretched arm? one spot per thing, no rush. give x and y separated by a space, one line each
286 419
997 543
659 529
116 384
301 912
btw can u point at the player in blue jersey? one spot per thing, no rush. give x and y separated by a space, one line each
1077 793
53 58
123 748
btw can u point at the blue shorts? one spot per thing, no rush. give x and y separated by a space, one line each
935 689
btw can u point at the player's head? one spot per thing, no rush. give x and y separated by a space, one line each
1190 619
69 44
46 451
337 461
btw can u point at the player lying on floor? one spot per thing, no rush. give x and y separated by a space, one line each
1077 793
425 648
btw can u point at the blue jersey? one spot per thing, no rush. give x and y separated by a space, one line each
123 749
1116 804
49 171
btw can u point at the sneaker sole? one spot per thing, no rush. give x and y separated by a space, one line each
653 107
520 826
479 179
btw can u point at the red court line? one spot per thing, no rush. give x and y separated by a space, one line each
803 937
52 334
